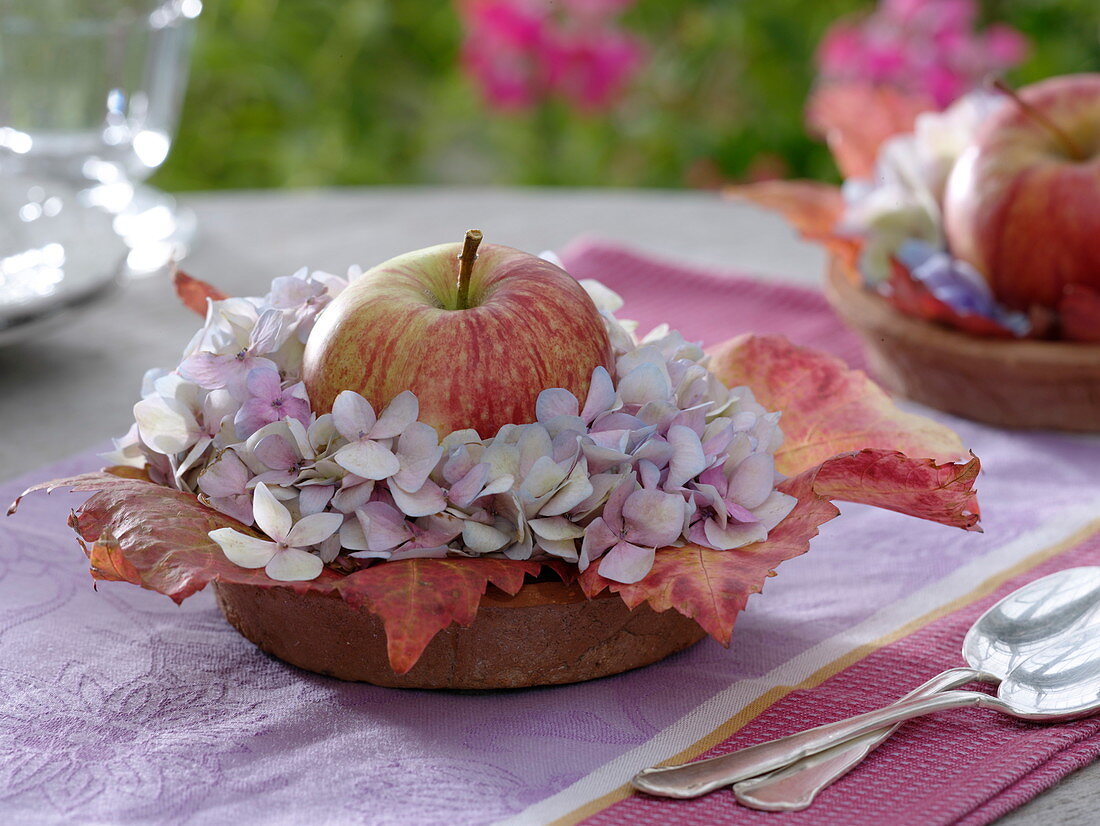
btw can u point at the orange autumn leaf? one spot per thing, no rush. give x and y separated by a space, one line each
712 587
827 407
812 208
856 118
194 293
418 598
108 563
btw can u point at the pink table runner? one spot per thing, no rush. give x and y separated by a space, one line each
118 707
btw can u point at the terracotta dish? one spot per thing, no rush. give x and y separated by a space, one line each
1023 384
577 638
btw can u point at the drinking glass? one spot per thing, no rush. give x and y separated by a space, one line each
90 94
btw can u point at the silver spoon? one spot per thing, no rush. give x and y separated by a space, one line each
1059 680
1016 627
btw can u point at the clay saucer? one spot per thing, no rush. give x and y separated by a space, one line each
547 634
1023 384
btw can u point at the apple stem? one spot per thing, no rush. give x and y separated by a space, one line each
466 266
1071 147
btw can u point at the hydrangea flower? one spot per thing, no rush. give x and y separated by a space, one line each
269 401
635 522
283 557
231 364
659 453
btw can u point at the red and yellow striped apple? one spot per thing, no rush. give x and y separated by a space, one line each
476 341
1023 201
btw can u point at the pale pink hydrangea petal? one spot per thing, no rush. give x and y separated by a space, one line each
605 299
294 565
598 537
315 498
165 425
353 537
655 450
555 402
385 527
688 459
241 549
355 491
601 395
198 450
437 529
353 415
463 492
544 476
562 548
276 452
427 500
483 539
653 518
775 509
572 492
398 415
267 332
626 562
459 463
314 529
556 527
330 548
271 515
752 481
733 535
291 291
368 459
418 451
268 402
644 383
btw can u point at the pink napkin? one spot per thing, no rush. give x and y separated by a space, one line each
710 305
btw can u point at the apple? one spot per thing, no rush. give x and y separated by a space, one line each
1023 201
475 336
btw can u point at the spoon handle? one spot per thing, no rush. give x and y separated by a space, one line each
794 787
698 778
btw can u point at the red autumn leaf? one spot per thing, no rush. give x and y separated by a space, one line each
914 299
812 208
1080 313
856 118
891 480
418 598
163 534
711 586
194 292
827 407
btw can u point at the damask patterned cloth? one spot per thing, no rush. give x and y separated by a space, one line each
118 707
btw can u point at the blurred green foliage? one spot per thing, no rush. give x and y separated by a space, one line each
344 92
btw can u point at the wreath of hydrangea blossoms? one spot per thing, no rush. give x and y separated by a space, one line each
659 453
898 213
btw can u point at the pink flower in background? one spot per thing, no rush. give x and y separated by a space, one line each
922 47
523 52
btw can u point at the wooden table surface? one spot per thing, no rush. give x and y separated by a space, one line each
75 387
